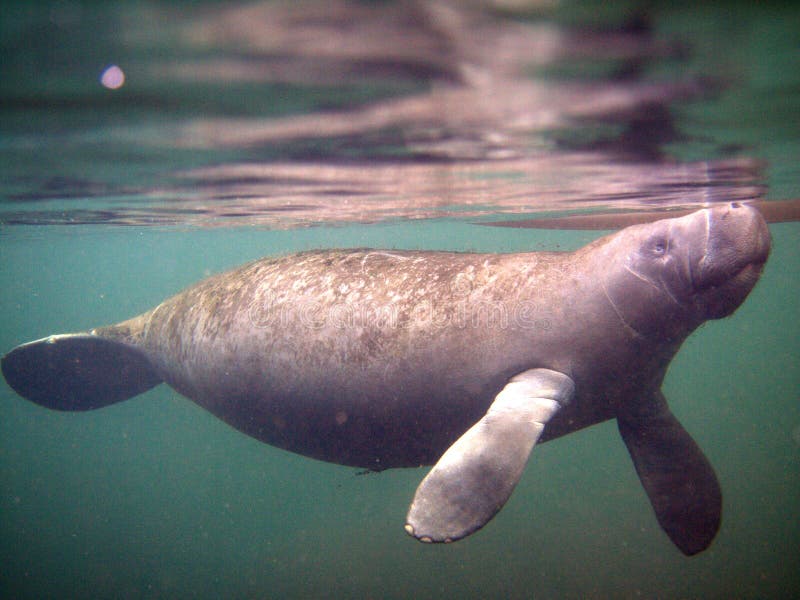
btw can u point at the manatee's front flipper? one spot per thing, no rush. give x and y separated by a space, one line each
676 475
476 475
78 371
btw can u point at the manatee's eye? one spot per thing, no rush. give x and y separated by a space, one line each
657 246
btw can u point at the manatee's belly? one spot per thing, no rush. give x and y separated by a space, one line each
362 422
367 422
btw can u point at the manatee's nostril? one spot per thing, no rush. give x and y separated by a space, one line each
736 205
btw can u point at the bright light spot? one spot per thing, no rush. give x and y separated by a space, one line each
112 78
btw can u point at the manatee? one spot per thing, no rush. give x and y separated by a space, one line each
391 358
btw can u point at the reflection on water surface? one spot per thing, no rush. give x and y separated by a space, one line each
286 115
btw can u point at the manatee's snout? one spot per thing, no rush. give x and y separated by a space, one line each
727 267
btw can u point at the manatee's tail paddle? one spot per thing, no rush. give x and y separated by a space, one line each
78 371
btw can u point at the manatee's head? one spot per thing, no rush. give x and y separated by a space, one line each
669 276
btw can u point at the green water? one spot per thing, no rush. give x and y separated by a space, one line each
155 498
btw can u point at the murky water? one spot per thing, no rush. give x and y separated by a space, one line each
243 130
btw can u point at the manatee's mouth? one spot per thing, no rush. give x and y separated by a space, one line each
722 293
745 277
738 275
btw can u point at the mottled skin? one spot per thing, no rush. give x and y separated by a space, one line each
382 359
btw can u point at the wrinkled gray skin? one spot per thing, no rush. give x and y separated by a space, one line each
381 359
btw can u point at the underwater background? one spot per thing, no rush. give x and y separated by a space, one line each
146 145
